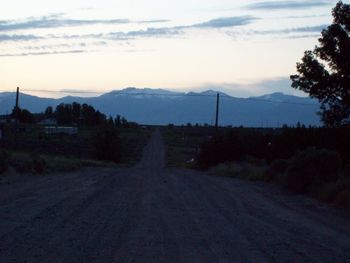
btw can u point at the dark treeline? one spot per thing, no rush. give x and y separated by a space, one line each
75 113
82 114
269 145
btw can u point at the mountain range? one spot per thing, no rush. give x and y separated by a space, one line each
161 107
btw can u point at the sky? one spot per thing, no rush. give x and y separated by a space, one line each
243 48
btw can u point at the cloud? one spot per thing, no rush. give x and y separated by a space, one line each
77 36
57 20
223 22
301 36
226 22
277 5
153 21
212 24
42 53
307 29
49 22
65 45
290 33
8 38
152 32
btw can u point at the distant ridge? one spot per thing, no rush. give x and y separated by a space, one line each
161 107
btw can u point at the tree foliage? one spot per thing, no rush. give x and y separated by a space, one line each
23 115
82 114
238 144
324 73
68 114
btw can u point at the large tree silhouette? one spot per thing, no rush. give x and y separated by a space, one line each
324 73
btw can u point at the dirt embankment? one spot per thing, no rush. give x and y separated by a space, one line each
152 214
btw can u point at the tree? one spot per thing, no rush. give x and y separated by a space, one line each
117 121
26 117
49 112
110 121
23 116
76 112
324 73
63 114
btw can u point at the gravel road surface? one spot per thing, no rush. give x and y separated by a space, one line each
150 213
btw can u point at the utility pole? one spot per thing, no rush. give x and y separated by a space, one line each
17 96
217 111
17 109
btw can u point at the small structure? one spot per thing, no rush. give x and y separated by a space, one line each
60 130
48 122
7 119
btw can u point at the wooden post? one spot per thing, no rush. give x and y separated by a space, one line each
217 111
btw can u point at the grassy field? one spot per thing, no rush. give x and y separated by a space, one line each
31 147
134 140
182 143
15 162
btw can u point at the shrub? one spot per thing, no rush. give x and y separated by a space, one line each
107 144
343 198
226 169
312 167
38 164
4 161
253 172
245 171
277 169
328 192
58 164
346 171
255 161
30 164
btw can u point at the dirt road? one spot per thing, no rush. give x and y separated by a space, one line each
153 214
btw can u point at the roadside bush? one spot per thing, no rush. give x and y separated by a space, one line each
328 192
255 161
253 172
243 170
346 171
234 146
4 161
58 164
226 169
33 164
343 199
107 144
277 170
312 167
38 164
